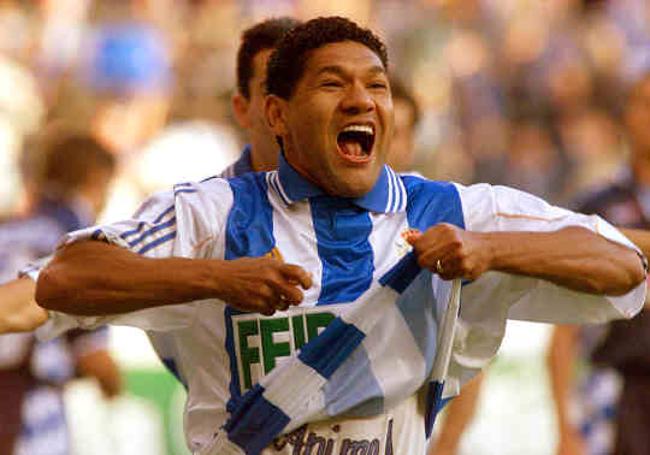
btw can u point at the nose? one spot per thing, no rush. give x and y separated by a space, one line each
357 100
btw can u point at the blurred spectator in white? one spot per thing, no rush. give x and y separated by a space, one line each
67 175
21 113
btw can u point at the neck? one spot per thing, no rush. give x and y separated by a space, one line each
263 162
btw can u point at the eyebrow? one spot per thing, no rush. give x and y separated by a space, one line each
338 70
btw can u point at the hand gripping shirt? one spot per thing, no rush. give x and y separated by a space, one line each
349 361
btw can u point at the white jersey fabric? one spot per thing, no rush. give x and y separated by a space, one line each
370 399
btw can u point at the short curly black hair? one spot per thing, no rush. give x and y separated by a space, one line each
259 37
287 63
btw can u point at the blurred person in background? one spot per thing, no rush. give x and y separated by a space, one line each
257 44
612 420
406 119
22 111
66 176
533 163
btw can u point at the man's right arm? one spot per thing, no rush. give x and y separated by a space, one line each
640 237
96 278
18 310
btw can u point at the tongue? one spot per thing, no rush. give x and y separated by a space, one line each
352 148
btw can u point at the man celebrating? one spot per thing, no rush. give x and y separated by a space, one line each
292 296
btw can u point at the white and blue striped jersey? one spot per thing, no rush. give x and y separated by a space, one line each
357 256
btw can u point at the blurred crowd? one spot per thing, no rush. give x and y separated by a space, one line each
525 93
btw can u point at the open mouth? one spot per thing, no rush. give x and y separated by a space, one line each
355 142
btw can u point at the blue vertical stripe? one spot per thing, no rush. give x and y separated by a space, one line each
249 233
342 232
430 203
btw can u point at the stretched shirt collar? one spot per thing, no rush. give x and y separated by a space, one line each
388 195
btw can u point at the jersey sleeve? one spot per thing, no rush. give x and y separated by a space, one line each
33 269
498 208
186 222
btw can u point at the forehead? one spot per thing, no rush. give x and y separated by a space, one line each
345 57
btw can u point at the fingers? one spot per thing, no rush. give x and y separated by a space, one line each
296 275
265 285
281 288
441 249
287 294
428 258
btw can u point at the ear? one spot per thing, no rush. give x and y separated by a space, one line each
240 109
275 111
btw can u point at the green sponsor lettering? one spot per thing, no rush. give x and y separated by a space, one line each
298 331
255 340
271 349
316 321
249 356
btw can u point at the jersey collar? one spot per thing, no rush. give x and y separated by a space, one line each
244 163
388 195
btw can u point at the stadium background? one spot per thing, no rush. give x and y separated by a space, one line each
521 92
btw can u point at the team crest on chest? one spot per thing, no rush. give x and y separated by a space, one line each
401 244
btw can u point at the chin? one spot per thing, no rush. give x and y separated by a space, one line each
356 188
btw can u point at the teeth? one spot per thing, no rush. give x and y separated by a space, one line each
359 128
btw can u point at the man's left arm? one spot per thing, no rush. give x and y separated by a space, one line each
544 263
572 257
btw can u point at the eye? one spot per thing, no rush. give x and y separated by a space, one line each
378 85
331 83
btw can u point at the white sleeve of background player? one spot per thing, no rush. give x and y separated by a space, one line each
498 208
185 222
